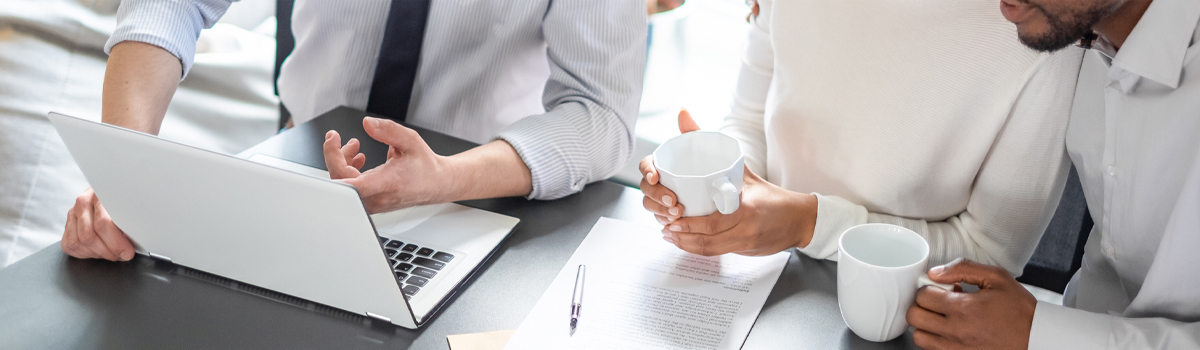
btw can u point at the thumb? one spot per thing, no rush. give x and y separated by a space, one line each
686 123
970 272
392 134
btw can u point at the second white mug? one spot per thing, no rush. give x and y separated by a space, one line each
880 268
704 169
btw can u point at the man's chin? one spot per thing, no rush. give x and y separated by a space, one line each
1044 42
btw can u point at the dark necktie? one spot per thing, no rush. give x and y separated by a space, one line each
399 54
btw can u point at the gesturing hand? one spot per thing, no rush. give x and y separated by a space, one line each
412 175
998 316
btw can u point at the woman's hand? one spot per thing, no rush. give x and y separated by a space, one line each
769 220
659 199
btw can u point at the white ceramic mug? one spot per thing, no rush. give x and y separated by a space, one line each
704 169
880 268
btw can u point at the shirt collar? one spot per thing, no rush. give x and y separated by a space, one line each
1156 47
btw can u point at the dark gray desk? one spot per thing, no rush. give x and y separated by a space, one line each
51 301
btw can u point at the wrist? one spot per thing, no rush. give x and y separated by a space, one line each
448 179
805 220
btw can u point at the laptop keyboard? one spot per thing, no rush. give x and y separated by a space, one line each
413 265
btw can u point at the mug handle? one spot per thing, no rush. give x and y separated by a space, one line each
727 197
924 280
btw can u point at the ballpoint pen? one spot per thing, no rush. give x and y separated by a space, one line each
577 297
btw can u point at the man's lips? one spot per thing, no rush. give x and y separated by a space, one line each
1015 12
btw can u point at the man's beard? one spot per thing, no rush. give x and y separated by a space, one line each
1066 28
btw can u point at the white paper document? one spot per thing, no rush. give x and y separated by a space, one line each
641 292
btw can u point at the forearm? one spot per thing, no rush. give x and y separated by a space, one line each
745 119
1005 241
488 171
138 85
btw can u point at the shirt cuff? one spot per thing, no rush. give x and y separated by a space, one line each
554 150
834 216
1060 327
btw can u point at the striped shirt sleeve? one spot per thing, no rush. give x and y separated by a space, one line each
597 54
173 25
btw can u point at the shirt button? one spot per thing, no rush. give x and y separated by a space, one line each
1112 170
1109 250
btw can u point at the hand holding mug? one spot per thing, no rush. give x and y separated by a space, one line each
766 219
659 199
998 316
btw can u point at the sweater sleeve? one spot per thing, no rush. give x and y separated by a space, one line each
745 120
173 25
1015 192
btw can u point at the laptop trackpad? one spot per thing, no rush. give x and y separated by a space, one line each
394 223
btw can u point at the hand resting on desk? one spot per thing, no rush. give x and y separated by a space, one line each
769 219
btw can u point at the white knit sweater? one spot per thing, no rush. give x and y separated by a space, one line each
926 114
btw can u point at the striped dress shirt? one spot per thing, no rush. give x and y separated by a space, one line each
560 83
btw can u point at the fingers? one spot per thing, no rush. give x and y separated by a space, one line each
654 206
87 232
355 159
702 244
924 318
930 341
393 134
649 173
350 150
335 159
114 239
964 270
70 242
711 224
659 199
686 123
935 299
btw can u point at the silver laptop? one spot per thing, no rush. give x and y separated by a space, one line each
281 226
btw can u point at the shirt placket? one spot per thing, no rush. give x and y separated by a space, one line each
1113 100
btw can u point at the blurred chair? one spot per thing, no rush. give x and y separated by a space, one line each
1060 252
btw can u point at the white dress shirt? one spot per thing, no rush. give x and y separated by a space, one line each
933 117
560 83
1134 136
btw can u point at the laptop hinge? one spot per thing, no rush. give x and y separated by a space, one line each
159 257
378 317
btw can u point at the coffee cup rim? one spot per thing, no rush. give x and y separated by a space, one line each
722 171
842 247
